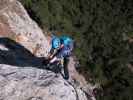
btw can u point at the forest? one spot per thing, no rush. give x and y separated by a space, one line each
102 31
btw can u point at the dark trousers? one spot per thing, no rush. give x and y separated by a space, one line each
66 72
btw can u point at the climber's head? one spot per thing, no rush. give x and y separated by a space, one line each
56 43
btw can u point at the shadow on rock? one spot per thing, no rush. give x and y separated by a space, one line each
12 53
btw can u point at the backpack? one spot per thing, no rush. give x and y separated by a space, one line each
68 46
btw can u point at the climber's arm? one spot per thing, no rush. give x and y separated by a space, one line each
52 53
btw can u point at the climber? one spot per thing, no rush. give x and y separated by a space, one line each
61 50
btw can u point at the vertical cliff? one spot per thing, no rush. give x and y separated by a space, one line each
16 24
22 48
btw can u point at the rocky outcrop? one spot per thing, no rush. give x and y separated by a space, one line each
16 24
22 49
17 83
24 77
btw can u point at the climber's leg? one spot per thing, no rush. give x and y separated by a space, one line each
66 72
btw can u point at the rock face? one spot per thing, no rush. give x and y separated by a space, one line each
24 77
33 84
22 48
16 24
